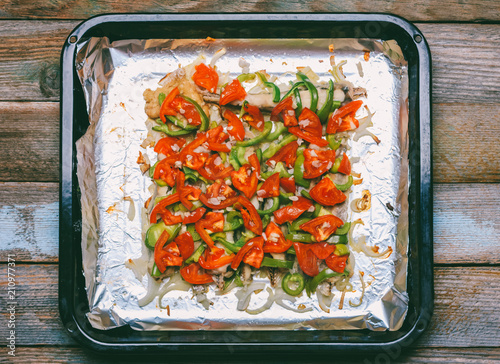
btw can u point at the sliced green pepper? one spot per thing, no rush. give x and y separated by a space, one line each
324 274
301 238
235 277
345 186
191 229
324 112
165 129
155 230
333 142
341 249
277 263
229 246
298 101
233 159
266 219
306 194
259 138
196 255
296 279
279 128
276 89
295 226
344 229
273 148
312 89
155 272
161 98
258 152
180 124
337 239
336 165
285 197
233 221
279 168
298 170
246 77
274 207
317 210
292 90
204 117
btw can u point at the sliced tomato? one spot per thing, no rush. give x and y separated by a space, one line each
251 218
322 250
326 193
286 154
275 240
285 109
336 263
215 258
181 178
317 162
219 196
186 109
255 163
270 187
288 184
245 180
194 274
322 227
345 165
166 256
343 118
308 261
185 244
206 77
253 116
167 145
165 172
191 159
290 213
165 108
235 127
307 136
251 253
309 122
213 221
162 205
169 218
190 218
232 92
216 138
213 171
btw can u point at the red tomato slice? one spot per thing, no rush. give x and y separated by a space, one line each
232 92
270 187
253 116
275 240
345 165
307 136
206 77
308 261
235 127
251 218
162 205
326 193
245 180
288 184
213 221
336 263
287 154
322 227
194 274
215 258
166 256
185 244
251 253
169 218
214 171
165 172
322 250
165 108
166 145
343 118
290 213
285 109
186 109
317 162
309 122
191 159
191 218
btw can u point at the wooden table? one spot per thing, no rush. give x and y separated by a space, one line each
464 38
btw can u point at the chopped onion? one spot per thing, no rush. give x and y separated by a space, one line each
343 284
362 204
153 287
365 123
267 305
362 291
360 245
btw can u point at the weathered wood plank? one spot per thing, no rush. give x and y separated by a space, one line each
466 310
29 141
465 135
465 59
412 10
68 354
29 222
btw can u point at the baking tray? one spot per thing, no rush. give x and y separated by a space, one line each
73 303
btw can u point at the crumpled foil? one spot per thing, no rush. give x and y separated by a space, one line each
114 77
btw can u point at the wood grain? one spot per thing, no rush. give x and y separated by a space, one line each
463 234
465 60
465 143
466 308
412 10
66 354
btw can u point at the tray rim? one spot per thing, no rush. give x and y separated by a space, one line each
425 249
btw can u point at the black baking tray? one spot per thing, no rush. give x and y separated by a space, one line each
73 303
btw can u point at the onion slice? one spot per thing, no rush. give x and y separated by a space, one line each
153 287
361 274
244 294
267 305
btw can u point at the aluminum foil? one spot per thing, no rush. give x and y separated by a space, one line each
114 77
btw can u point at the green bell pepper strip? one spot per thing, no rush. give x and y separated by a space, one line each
312 89
269 84
223 156
259 138
341 249
191 177
161 98
191 229
279 168
291 250
337 239
155 230
233 159
155 272
259 155
266 219
273 148
336 165
240 154
229 246
306 194
295 278
180 124
165 129
335 105
233 221
204 117
246 77
298 101
280 128
324 112
196 255
295 86
274 207
276 263
301 238
324 274
317 210
298 170
234 278
333 142
295 226
345 186
344 229
285 197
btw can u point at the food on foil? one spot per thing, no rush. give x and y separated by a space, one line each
252 179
